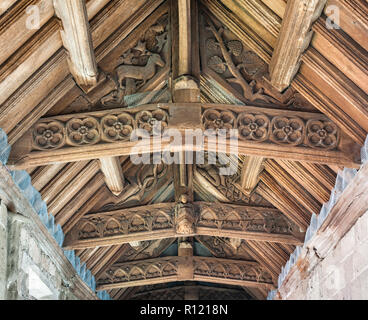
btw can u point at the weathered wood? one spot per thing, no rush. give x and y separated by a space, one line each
252 13
277 136
271 190
295 36
77 40
252 167
223 220
240 29
345 54
312 178
184 37
171 269
334 94
277 6
114 177
293 187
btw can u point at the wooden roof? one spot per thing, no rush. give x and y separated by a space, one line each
74 87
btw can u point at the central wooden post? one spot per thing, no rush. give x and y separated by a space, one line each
185 88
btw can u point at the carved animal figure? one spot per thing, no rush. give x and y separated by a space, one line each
143 73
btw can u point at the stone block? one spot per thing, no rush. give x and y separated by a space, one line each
34 251
360 259
356 290
313 289
363 279
348 271
361 228
346 246
346 293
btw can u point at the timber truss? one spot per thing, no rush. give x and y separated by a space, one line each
179 65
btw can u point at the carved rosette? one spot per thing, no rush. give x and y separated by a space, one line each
81 131
322 134
153 122
218 120
286 130
48 135
254 127
117 127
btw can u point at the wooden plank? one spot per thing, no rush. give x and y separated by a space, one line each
251 14
353 18
295 36
184 36
308 178
346 102
240 29
270 189
296 189
341 51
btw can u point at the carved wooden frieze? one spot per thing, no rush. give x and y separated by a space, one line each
165 220
223 187
254 124
171 269
207 268
283 128
138 271
243 218
96 127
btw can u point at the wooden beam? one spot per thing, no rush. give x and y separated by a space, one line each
184 37
77 40
159 221
314 139
294 39
172 269
252 167
114 177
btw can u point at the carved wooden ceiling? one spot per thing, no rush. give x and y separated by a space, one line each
159 231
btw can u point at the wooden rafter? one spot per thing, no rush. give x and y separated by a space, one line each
294 39
114 178
77 40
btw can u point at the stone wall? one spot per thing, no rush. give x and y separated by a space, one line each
36 269
341 275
